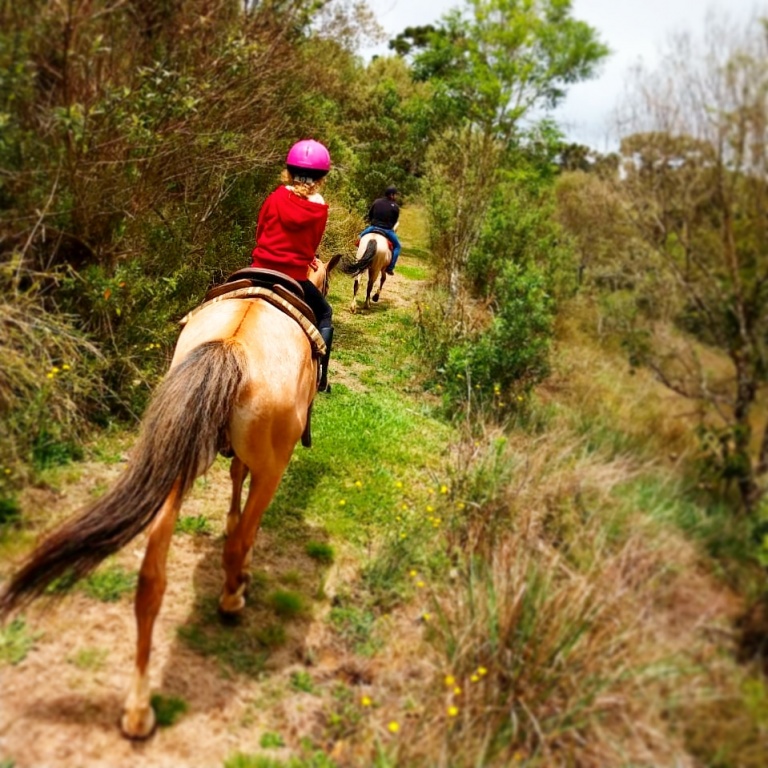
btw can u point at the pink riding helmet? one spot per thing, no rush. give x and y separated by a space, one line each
308 158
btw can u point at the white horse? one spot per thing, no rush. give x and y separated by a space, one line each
374 253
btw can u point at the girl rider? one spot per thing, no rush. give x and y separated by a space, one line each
290 227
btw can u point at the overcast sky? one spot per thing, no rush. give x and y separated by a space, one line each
634 30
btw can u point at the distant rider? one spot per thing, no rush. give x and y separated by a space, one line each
382 216
290 227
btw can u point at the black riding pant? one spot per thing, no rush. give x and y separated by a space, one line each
318 303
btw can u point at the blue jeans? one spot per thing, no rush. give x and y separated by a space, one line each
392 237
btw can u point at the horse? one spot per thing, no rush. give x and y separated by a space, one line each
242 380
374 253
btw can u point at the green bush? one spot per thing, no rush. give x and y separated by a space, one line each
511 354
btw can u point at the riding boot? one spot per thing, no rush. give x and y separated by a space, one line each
327 334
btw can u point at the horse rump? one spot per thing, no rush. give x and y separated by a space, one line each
356 267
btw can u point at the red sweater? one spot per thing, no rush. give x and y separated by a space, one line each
288 233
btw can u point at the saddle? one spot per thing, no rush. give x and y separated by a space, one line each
280 291
285 287
377 231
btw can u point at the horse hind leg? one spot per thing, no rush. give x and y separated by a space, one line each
138 720
369 288
353 305
238 472
383 280
239 544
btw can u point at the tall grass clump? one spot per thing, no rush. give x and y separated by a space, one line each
50 383
556 622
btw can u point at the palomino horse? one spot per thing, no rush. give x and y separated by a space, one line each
374 254
242 376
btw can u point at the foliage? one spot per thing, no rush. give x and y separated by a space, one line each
695 179
493 65
499 59
491 354
506 359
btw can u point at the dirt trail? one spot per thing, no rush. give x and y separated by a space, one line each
60 706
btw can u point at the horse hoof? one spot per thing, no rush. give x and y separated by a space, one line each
231 605
375 298
138 724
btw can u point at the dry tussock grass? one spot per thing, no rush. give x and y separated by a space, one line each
578 630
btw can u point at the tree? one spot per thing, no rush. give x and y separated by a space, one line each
493 64
695 171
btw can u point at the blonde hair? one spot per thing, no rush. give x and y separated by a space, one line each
301 188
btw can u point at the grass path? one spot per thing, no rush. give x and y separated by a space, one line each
303 659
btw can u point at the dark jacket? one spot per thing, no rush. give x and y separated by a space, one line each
384 213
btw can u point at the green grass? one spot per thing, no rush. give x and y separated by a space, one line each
168 709
109 584
91 659
271 636
271 740
372 453
242 647
412 272
356 626
287 604
15 642
320 551
194 525
235 648
311 758
302 681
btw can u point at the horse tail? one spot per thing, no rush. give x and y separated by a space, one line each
356 267
180 436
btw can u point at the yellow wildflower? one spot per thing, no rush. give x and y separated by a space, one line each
457 691
443 488
482 671
342 502
474 678
393 727
365 701
450 680
453 711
